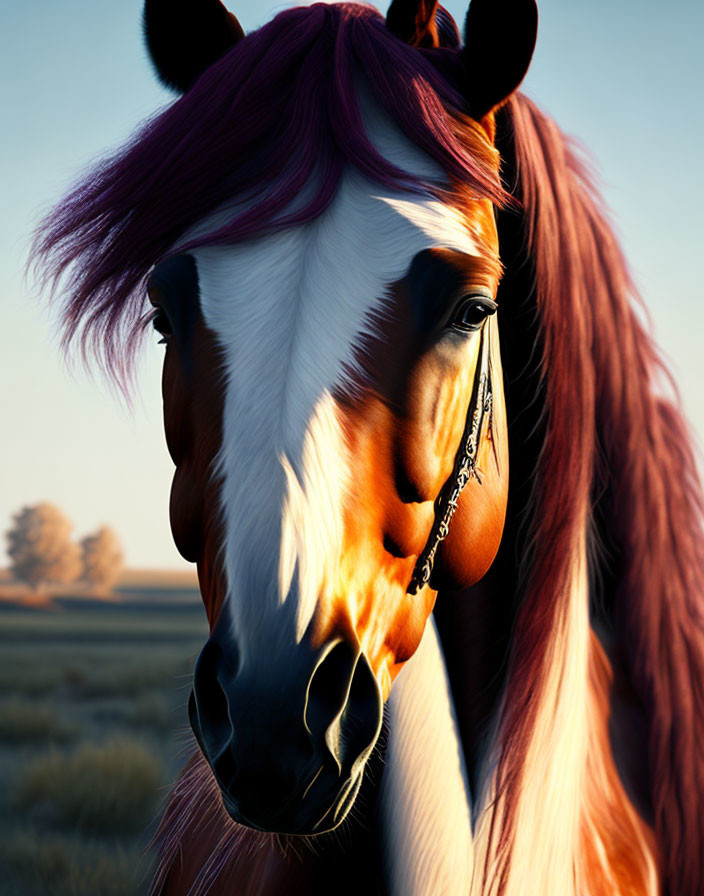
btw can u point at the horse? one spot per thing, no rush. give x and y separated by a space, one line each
384 278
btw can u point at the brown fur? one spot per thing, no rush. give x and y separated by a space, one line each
193 407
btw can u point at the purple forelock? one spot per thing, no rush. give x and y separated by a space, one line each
275 114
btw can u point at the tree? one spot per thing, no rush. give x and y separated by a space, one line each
102 559
40 547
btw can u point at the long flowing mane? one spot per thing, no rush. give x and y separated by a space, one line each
597 454
614 449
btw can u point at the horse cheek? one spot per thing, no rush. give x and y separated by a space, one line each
185 512
470 548
474 538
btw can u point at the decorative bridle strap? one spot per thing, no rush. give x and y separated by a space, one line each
464 468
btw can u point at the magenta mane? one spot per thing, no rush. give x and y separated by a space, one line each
267 118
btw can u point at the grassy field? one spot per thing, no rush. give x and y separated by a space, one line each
93 730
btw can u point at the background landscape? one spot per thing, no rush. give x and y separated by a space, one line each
92 730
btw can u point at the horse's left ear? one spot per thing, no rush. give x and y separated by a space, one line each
499 39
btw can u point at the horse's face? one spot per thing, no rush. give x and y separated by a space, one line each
316 389
317 386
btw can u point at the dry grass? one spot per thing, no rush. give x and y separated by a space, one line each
63 867
124 680
109 787
49 672
111 670
151 710
165 579
26 721
147 579
23 678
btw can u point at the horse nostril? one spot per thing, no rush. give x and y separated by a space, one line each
210 718
344 705
362 714
328 687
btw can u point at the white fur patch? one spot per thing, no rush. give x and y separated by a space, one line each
311 528
425 800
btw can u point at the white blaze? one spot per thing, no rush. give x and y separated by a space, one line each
288 309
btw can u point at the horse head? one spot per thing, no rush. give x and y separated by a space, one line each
325 386
315 223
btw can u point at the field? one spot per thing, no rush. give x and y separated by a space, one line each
93 730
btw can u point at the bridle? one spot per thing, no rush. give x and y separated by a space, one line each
464 468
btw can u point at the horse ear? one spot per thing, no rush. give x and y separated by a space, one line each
413 21
185 37
499 42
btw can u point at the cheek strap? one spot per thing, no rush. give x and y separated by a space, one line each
464 468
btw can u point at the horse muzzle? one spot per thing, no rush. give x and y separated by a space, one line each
287 747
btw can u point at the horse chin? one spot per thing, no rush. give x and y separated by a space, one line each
300 820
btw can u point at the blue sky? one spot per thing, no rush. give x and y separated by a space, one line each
624 77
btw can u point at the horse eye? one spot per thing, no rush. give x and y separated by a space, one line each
162 325
472 313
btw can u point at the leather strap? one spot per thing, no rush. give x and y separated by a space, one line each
464 468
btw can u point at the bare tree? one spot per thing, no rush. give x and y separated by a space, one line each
102 559
40 547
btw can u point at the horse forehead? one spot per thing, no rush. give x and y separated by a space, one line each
346 259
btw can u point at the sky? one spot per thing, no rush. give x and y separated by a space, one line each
623 76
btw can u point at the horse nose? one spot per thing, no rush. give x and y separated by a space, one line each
287 747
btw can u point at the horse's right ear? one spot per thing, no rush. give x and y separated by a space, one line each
499 41
185 37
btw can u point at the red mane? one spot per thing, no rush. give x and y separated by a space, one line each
614 445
